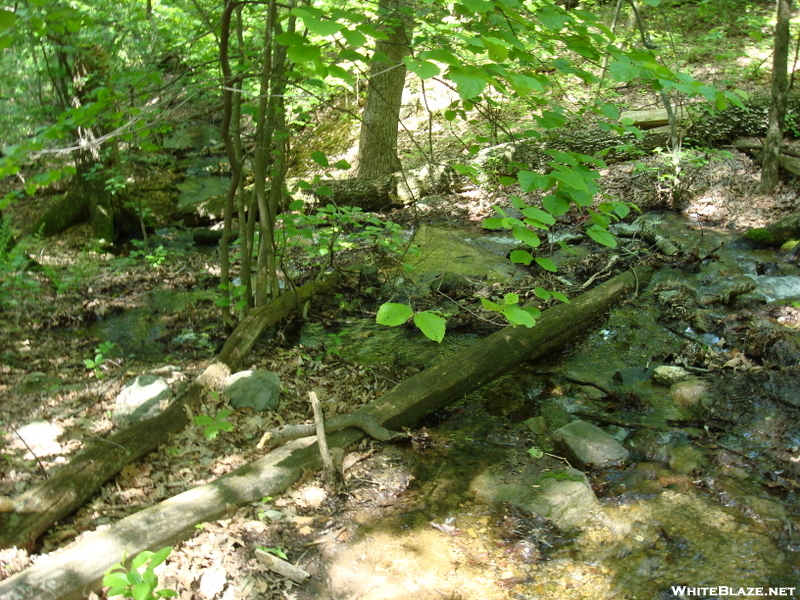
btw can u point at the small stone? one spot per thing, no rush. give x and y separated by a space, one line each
585 444
690 395
259 390
668 375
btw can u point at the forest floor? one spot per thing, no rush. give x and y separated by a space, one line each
58 404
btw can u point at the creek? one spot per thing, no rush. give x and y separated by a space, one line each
708 497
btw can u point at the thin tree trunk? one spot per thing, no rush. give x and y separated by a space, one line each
770 163
377 151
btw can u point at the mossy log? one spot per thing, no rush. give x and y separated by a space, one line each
72 485
72 572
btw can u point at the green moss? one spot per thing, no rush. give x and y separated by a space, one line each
761 236
788 246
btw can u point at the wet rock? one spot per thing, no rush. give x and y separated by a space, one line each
587 445
668 375
691 396
649 445
537 425
564 497
259 390
143 398
684 458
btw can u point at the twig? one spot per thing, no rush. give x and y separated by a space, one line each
38 462
332 476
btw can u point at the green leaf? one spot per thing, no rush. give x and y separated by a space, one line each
424 69
393 314
519 316
116 580
546 264
322 27
7 19
524 84
529 181
601 236
510 298
469 85
141 591
290 39
570 178
341 164
521 257
303 54
493 223
535 452
542 293
354 38
555 205
507 181
523 234
140 559
561 297
204 420
324 190
489 305
498 49
431 324
538 214
319 158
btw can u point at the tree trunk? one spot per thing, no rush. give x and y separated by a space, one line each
70 573
770 161
377 150
71 486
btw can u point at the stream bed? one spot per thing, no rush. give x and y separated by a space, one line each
483 504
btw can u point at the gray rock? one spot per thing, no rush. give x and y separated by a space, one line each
565 497
143 398
585 444
259 390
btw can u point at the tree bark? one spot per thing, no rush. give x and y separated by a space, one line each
70 573
770 159
377 149
72 485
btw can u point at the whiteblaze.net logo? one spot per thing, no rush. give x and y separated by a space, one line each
684 591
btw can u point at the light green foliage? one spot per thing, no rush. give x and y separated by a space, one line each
232 294
394 314
100 355
277 551
139 582
154 257
512 311
212 426
332 229
535 452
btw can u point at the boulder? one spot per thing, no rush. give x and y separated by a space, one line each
143 398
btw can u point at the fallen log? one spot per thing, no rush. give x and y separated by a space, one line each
73 571
71 486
